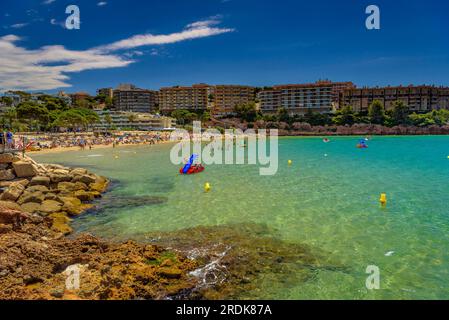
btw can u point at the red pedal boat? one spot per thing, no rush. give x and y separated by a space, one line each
193 170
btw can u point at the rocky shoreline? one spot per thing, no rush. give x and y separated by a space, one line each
37 202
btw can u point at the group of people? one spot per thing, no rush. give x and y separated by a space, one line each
52 141
6 140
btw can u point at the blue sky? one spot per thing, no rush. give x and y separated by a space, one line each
158 43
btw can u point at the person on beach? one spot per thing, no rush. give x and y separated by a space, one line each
2 140
9 139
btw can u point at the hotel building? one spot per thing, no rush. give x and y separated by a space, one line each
130 120
196 98
226 97
321 97
417 98
129 98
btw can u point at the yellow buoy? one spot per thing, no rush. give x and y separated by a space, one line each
116 157
207 187
383 199
290 162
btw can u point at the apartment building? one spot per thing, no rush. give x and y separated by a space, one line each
130 120
321 97
196 97
107 92
128 97
226 97
417 98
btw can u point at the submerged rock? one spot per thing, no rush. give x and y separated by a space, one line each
236 260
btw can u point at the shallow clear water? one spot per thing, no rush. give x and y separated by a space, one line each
328 202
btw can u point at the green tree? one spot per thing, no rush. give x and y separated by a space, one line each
246 111
345 116
108 119
400 113
376 112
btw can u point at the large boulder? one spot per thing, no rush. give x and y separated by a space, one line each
24 169
7 175
61 223
40 181
13 192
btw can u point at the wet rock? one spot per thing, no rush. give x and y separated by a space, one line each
73 206
84 195
235 260
24 169
170 273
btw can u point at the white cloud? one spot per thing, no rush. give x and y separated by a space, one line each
48 67
48 1
199 29
18 25
102 3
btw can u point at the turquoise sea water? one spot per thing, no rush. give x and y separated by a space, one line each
328 202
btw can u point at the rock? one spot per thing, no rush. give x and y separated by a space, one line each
36 197
9 205
73 206
13 217
84 195
52 196
98 186
4 166
5 229
42 189
61 223
170 273
67 186
81 186
8 158
50 206
78 171
40 181
24 169
56 178
13 192
31 207
7 175
87 179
